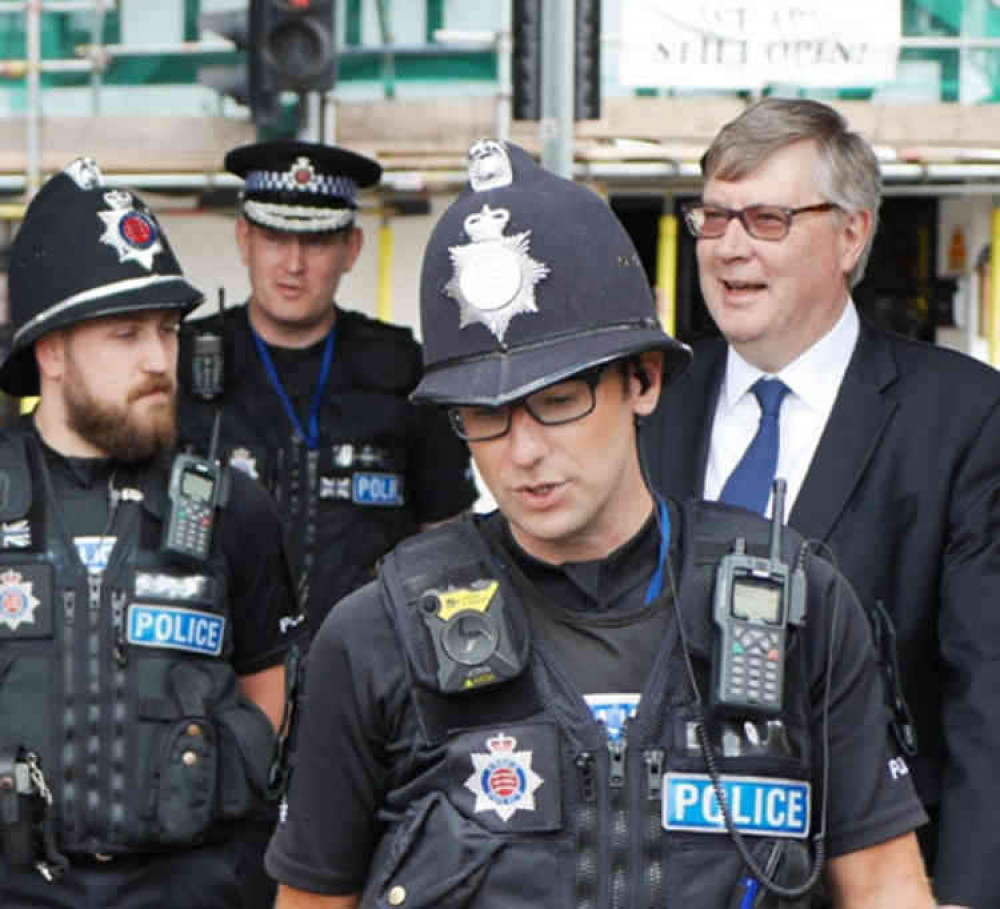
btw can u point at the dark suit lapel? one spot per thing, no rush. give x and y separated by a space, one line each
677 438
860 415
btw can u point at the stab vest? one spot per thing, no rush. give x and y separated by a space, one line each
119 680
514 796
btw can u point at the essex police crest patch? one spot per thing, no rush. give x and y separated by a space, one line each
132 233
17 600
502 780
494 277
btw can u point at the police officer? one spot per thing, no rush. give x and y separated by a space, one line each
142 674
533 708
314 397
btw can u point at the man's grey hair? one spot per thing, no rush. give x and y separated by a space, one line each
847 173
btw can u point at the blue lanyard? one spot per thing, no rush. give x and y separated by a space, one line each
656 583
312 436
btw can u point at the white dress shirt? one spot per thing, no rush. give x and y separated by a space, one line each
813 380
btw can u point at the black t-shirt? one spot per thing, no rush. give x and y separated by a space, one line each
359 734
592 617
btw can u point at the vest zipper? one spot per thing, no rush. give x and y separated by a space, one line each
69 771
652 830
93 749
119 715
586 833
618 844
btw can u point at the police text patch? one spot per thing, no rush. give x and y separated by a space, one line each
759 806
377 489
176 629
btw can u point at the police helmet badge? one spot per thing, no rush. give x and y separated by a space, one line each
502 780
132 233
17 600
302 174
494 278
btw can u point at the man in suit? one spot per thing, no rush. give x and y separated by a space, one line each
890 448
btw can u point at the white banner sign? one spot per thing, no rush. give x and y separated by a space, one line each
729 44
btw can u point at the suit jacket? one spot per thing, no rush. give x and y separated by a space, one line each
904 487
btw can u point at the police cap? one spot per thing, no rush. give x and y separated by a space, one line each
527 279
301 186
84 250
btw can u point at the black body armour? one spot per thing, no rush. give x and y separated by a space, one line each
345 502
119 679
513 795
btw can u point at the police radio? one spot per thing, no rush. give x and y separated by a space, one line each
472 641
207 359
755 601
195 492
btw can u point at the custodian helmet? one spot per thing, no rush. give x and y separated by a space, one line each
84 250
527 279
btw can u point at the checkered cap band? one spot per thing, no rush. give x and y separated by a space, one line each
339 187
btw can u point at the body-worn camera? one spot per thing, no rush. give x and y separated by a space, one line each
472 641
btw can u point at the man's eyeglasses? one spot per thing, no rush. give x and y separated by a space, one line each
765 222
563 402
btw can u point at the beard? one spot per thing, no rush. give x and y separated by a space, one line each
119 431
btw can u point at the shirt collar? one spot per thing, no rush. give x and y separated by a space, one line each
814 376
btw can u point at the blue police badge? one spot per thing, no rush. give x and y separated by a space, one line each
502 780
174 628
614 711
132 233
95 552
379 489
494 278
17 600
759 806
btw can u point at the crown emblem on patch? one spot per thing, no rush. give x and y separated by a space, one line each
132 233
502 780
17 600
494 277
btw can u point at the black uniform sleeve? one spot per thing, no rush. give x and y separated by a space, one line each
267 618
355 679
440 480
870 797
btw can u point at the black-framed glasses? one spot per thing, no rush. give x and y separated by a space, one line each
765 222
554 405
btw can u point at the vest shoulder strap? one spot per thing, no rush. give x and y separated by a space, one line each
15 477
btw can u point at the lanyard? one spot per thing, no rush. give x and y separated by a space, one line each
656 584
312 436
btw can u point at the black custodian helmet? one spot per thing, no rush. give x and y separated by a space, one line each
529 278
83 251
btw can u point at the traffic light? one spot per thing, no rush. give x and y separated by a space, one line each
587 61
295 46
247 83
526 62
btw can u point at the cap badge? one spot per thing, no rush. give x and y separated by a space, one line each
85 173
489 166
494 277
132 233
302 174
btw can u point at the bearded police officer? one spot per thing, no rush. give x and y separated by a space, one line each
592 697
314 397
146 605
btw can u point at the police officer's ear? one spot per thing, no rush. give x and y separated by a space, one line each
355 240
645 381
50 355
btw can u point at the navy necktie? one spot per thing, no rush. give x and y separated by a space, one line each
750 482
